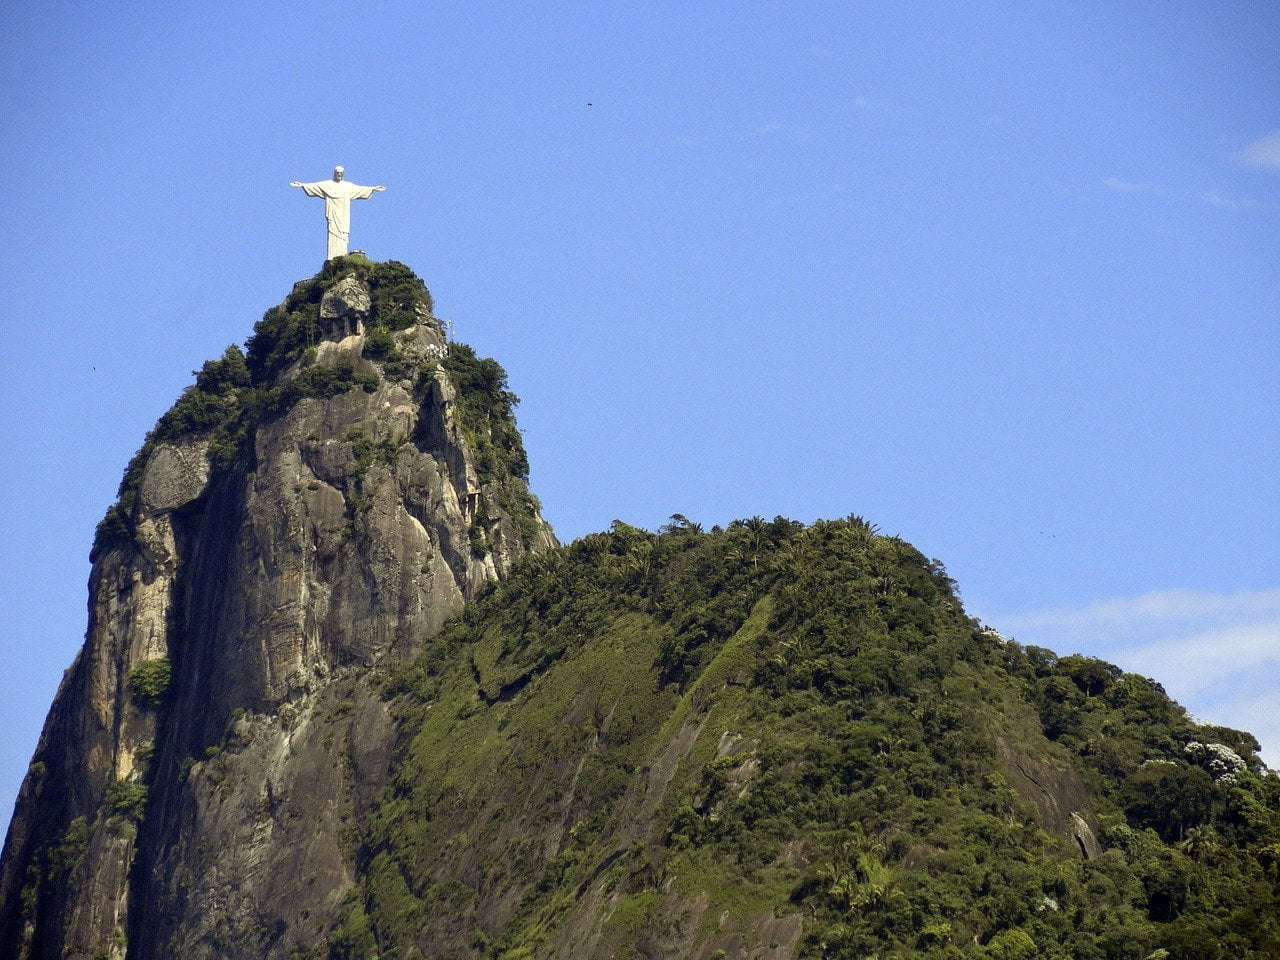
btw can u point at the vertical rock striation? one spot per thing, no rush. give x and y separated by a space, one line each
301 516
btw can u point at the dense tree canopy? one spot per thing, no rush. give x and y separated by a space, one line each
851 766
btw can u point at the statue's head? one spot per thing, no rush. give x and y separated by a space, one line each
338 173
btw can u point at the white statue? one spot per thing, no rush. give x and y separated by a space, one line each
338 194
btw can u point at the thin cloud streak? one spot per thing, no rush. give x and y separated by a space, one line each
1218 654
1126 186
1264 152
1217 198
1136 616
1214 196
781 129
868 105
1204 662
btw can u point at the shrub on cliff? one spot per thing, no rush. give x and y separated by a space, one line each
149 681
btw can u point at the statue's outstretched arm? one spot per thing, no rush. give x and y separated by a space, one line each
295 183
379 189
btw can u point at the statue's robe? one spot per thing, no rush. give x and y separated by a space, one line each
338 195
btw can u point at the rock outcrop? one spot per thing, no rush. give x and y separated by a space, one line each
1059 795
323 509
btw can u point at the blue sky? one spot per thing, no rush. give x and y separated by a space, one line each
1001 278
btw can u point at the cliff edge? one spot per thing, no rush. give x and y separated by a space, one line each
319 504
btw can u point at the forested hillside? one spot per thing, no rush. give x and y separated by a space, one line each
746 741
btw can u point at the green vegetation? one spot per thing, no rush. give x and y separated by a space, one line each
689 734
379 344
126 798
286 332
235 393
353 939
149 681
486 413
365 450
64 857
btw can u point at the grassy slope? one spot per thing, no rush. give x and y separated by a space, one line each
769 739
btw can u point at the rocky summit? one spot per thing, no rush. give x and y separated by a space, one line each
344 697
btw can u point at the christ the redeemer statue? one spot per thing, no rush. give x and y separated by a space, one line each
338 194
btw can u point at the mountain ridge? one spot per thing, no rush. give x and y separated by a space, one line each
343 696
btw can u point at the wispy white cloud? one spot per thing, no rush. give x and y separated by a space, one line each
1217 198
866 104
1127 186
1216 653
1214 196
783 129
1206 662
1158 610
1264 152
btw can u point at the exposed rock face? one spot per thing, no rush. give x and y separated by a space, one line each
1059 795
344 309
208 822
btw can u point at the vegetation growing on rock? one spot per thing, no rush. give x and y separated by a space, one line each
149 681
232 395
681 738
285 333
486 408
126 798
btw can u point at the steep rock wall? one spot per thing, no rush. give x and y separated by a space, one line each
205 819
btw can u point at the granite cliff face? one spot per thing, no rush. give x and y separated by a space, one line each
297 520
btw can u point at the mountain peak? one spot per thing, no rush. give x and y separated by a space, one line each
313 505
